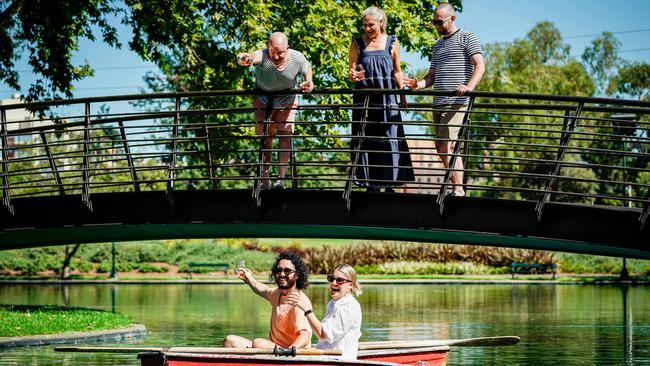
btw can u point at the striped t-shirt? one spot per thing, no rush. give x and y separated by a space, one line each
451 59
269 78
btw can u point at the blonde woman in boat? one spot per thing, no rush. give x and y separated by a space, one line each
340 329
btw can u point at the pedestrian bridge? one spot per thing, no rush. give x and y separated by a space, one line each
545 172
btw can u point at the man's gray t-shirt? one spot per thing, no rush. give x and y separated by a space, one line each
451 59
269 78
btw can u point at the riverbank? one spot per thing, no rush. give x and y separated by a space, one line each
170 260
218 278
29 325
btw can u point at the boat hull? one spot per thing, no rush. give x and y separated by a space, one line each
198 359
431 356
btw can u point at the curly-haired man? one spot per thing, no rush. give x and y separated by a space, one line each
289 324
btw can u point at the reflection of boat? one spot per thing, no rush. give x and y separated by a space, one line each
384 353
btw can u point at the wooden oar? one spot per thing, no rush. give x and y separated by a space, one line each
210 350
467 342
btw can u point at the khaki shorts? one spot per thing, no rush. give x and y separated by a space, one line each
449 120
281 118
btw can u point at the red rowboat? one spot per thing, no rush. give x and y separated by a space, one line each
384 353
431 356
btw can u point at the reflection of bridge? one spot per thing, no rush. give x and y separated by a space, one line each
547 172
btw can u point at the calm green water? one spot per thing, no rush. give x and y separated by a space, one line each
558 324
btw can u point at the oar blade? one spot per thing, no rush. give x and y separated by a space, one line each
467 342
486 341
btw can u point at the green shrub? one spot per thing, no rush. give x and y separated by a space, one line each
425 268
152 268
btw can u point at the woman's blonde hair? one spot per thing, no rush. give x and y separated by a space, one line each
378 15
351 274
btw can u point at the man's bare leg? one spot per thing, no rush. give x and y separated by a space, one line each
235 341
445 148
284 138
263 343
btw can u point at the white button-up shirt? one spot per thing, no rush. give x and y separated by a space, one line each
342 325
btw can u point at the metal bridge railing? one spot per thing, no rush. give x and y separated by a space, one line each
538 148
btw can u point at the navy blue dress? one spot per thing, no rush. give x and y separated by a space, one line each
386 162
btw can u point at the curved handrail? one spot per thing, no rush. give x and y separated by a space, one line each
541 148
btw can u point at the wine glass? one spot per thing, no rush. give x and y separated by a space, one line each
244 59
241 265
409 75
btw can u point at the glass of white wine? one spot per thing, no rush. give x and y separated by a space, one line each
241 265
409 75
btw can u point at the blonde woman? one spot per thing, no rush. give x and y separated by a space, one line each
341 327
382 159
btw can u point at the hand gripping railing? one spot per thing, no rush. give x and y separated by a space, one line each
538 148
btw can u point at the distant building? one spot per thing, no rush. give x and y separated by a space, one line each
18 119
427 167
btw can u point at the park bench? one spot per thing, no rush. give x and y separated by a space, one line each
222 266
533 268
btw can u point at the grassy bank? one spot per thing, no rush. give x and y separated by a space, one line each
170 258
26 320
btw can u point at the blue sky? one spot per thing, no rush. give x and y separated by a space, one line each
121 71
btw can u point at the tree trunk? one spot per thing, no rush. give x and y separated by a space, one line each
66 261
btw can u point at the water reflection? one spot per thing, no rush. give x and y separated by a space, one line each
571 324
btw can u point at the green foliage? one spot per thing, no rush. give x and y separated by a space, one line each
194 42
24 320
632 79
47 33
427 268
601 58
152 268
142 256
586 264
322 260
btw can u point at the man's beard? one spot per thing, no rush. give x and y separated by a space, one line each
289 284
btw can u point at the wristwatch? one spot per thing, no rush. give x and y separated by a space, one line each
308 312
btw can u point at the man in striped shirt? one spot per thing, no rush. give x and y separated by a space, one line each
456 65
277 68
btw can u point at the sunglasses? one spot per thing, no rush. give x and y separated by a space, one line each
286 271
338 280
440 22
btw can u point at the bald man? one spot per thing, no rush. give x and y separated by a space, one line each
456 65
276 69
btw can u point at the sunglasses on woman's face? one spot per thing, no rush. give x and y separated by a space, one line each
339 280
286 271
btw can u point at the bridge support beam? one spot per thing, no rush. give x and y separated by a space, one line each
6 197
568 127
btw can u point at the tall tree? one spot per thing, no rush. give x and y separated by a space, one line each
601 58
47 34
632 79
192 41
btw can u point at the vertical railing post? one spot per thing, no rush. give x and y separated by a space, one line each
208 152
643 219
129 158
85 193
6 197
464 128
172 160
259 176
347 192
55 171
568 127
